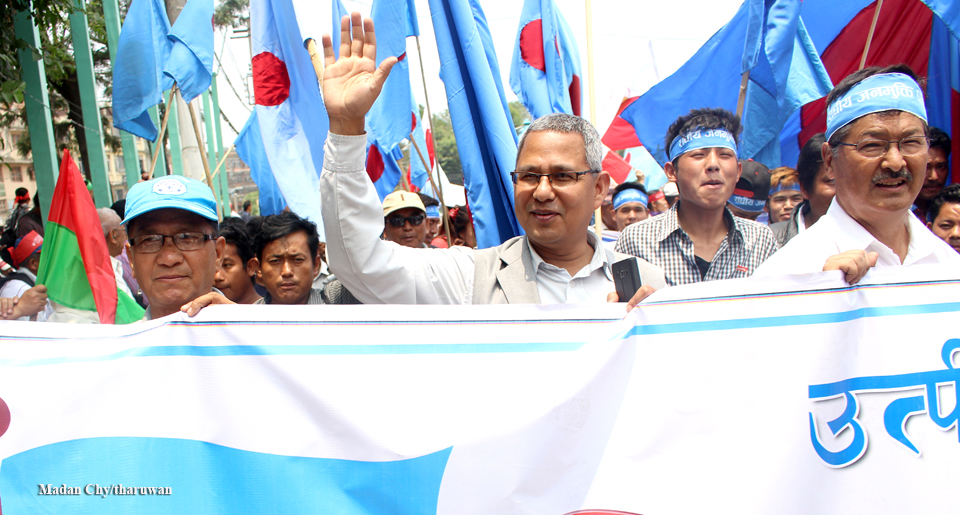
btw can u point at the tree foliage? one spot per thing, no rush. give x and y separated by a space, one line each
232 13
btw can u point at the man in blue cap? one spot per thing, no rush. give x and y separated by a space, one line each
174 243
877 150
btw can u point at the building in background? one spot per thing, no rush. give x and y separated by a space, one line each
16 169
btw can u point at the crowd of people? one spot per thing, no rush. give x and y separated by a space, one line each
869 192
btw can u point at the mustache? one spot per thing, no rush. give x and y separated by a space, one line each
883 175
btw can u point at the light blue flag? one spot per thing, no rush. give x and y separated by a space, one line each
249 146
191 55
949 13
419 174
389 118
339 11
138 71
481 119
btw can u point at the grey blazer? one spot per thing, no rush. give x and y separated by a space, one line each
505 274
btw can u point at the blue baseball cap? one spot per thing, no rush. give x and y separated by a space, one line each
172 191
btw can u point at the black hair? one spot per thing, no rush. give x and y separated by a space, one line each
286 223
632 185
706 118
857 77
949 194
811 157
428 200
235 232
120 207
940 140
21 192
246 204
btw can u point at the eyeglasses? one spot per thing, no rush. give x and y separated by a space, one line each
873 148
185 241
557 179
399 221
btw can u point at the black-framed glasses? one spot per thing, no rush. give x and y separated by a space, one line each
185 241
873 148
556 179
399 221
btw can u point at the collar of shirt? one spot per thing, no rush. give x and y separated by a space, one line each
599 260
855 236
802 209
671 224
27 273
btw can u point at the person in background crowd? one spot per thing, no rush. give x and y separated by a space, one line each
630 204
938 170
877 149
26 259
247 211
32 221
817 188
558 184
607 217
699 239
434 223
175 247
404 219
461 230
944 214
253 227
671 193
119 207
116 237
785 194
749 198
658 203
235 277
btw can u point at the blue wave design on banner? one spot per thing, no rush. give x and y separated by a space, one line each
212 479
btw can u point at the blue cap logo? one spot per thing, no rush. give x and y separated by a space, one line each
169 187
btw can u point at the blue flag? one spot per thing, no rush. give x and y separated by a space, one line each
249 146
191 55
142 51
382 166
481 120
545 71
786 73
389 118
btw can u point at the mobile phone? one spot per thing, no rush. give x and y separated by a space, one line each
626 277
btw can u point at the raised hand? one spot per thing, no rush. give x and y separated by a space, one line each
352 83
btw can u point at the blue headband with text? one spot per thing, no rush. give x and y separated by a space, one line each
874 94
433 211
629 195
784 187
702 138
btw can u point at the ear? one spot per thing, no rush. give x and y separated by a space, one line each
827 155
316 265
601 188
253 267
130 258
739 169
670 171
221 248
930 225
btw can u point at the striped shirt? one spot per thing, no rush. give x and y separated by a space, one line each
661 241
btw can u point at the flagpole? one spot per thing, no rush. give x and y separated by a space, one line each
873 26
598 215
224 158
445 216
163 129
316 58
744 81
203 154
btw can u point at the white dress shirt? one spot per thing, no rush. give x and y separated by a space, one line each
382 272
837 232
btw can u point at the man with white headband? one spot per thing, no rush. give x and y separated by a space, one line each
699 239
876 149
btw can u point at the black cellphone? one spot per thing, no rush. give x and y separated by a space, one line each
626 276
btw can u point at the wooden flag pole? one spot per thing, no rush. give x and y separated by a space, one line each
224 158
598 215
203 155
316 58
744 81
443 212
873 26
445 216
163 129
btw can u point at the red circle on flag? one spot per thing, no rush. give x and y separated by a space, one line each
271 82
4 417
531 45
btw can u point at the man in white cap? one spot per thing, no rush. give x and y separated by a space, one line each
404 217
876 149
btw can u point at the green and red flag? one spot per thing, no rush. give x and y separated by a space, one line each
75 263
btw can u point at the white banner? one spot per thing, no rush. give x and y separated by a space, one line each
799 395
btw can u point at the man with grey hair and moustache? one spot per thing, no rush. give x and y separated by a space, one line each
877 151
559 183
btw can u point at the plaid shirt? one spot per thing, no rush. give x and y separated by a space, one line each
661 241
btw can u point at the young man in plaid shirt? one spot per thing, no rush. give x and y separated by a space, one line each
699 239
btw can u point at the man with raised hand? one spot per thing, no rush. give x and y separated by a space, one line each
877 151
699 238
558 184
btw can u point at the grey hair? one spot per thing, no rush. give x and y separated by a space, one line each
568 123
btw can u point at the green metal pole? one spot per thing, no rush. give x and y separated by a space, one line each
173 132
37 103
102 196
131 165
161 168
224 184
211 146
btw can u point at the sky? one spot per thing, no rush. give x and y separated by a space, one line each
635 44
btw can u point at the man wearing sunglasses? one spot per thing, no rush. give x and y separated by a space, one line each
174 243
404 219
877 150
558 183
